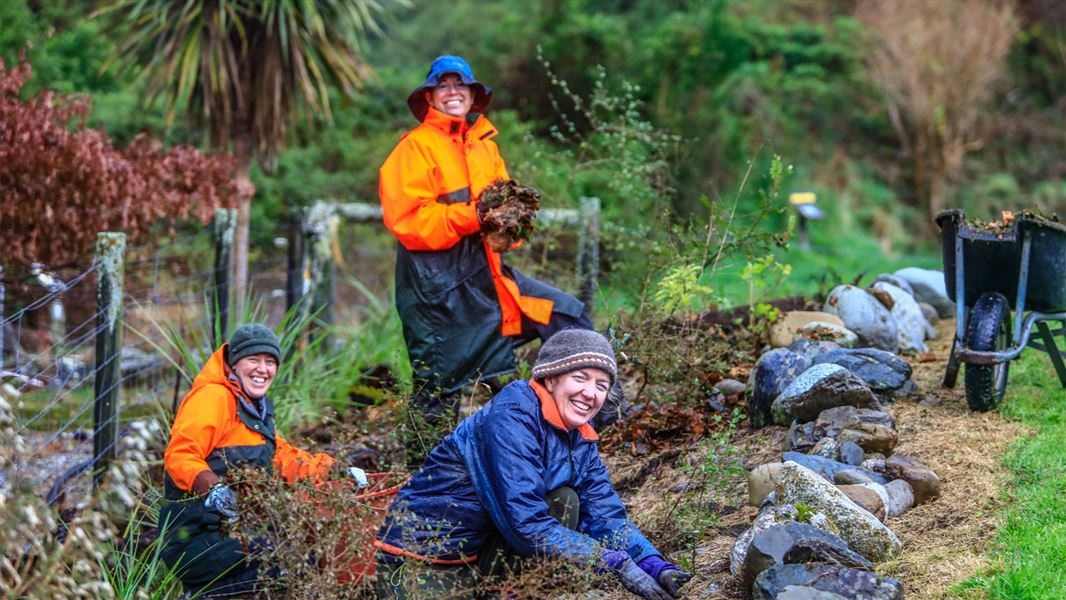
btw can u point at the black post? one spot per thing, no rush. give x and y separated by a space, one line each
588 252
110 250
225 225
294 280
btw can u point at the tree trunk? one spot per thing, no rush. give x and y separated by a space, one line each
245 191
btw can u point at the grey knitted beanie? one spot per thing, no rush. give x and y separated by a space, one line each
573 349
251 339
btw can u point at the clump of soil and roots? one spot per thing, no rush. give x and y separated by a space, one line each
1007 219
508 213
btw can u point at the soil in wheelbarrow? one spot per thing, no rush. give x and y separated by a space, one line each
1007 219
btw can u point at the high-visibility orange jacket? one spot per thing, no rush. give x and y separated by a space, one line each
451 288
213 430
429 189
216 429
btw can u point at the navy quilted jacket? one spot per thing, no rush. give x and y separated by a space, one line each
492 474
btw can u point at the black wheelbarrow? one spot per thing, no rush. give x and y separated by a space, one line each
986 272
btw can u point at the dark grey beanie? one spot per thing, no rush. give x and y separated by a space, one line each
573 349
251 339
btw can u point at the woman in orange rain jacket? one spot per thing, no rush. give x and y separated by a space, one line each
463 310
225 421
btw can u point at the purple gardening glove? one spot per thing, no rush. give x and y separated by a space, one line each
667 574
632 577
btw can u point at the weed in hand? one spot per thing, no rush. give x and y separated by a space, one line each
507 211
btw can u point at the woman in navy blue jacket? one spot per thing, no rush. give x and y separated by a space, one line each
523 477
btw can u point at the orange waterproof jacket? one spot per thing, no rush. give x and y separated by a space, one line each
215 430
429 188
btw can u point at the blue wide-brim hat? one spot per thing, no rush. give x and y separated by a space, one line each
442 65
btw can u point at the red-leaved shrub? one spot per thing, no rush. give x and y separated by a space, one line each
61 182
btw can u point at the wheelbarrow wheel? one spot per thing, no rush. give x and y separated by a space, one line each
988 330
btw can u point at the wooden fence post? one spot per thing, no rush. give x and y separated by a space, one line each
588 252
321 225
224 227
110 251
294 273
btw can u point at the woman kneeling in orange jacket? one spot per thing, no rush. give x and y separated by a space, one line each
226 421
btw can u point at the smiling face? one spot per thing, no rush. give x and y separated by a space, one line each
579 394
256 373
451 96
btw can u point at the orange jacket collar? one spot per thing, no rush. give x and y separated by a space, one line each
217 371
551 414
459 126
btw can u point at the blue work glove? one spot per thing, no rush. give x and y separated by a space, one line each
632 577
223 500
669 575
359 476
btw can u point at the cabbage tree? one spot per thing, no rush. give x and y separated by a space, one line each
244 69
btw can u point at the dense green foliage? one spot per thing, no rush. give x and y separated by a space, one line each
734 81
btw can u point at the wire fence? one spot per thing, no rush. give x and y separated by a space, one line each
58 373
51 323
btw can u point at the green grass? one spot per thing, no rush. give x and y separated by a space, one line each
826 264
1030 555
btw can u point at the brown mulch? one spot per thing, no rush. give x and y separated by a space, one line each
948 541
945 541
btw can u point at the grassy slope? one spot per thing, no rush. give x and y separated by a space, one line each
1031 544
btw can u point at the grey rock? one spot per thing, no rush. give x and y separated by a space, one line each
828 469
851 453
857 475
801 436
896 281
802 592
883 372
871 430
796 543
900 497
909 388
770 515
861 530
810 348
827 447
930 314
865 315
819 388
761 481
842 581
773 372
730 387
829 332
928 286
909 318
923 480
874 462
785 329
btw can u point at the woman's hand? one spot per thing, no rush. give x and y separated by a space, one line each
500 242
666 573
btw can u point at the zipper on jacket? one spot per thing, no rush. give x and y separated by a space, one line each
573 469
